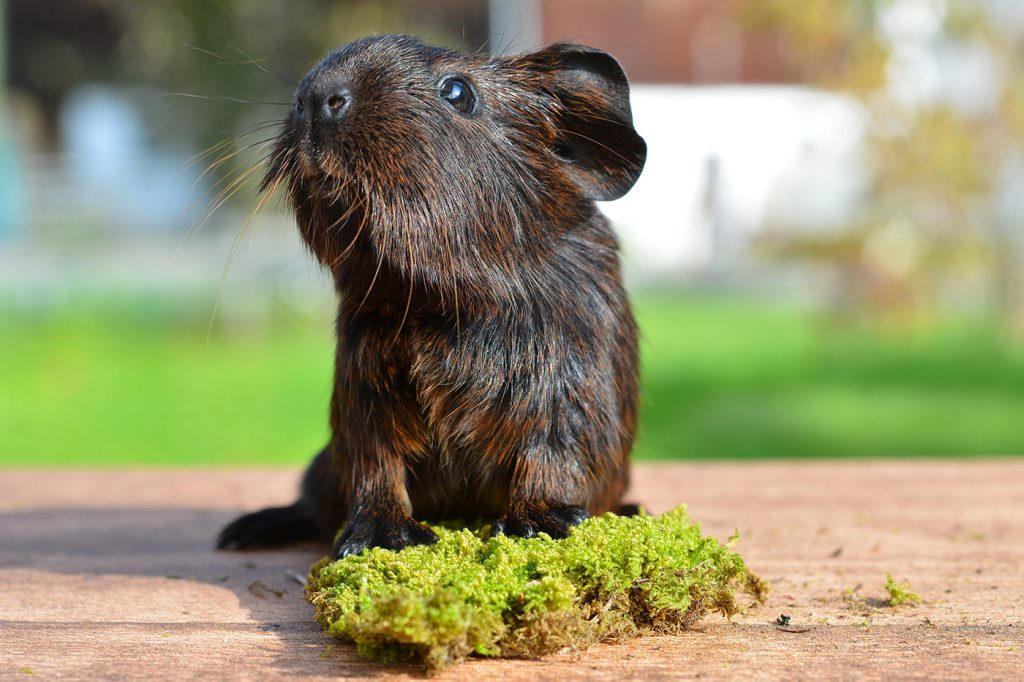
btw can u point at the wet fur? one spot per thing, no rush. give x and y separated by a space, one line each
486 364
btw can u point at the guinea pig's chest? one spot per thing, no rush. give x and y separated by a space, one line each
474 384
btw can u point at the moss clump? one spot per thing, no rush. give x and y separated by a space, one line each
900 593
614 577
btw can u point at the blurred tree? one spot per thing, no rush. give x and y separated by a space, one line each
50 52
943 90
244 56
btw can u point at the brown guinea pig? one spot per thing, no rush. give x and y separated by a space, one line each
486 364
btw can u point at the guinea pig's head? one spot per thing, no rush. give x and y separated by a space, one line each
442 163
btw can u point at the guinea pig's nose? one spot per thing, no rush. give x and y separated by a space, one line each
336 104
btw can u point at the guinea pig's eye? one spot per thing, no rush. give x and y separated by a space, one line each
457 93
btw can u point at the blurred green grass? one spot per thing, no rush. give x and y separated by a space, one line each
108 384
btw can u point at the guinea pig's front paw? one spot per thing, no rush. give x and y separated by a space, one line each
530 519
387 531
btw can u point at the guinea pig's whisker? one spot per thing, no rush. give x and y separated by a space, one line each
232 139
380 262
207 212
258 64
221 198
595 117
338 193
323 183
225 98
355 238
504 42
316 190
247 62
455 281
262 125
222 146
228 156
229 186
240 137
341 219
231 255
212 149
411 277
603 146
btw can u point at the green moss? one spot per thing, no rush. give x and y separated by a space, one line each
899 593
470 594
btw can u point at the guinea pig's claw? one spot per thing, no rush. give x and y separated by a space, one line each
529 520
381 531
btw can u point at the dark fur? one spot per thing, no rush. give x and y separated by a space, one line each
486 363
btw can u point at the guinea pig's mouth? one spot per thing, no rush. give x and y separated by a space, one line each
311 168
318 164
304 167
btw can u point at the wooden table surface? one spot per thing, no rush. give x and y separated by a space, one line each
112 574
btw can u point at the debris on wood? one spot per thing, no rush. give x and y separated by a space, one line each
900 593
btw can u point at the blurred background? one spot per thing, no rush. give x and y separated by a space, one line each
824 249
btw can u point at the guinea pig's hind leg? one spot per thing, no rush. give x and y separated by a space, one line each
313 517
270 527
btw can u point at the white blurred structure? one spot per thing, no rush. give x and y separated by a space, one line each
726 162
110 172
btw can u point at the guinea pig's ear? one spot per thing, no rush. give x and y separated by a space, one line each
602 151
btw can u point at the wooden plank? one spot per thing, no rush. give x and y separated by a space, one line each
112 574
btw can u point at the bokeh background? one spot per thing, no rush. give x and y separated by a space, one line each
824 249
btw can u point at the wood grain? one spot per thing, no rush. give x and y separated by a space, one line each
112 574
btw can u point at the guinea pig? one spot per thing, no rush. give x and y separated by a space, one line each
486 363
